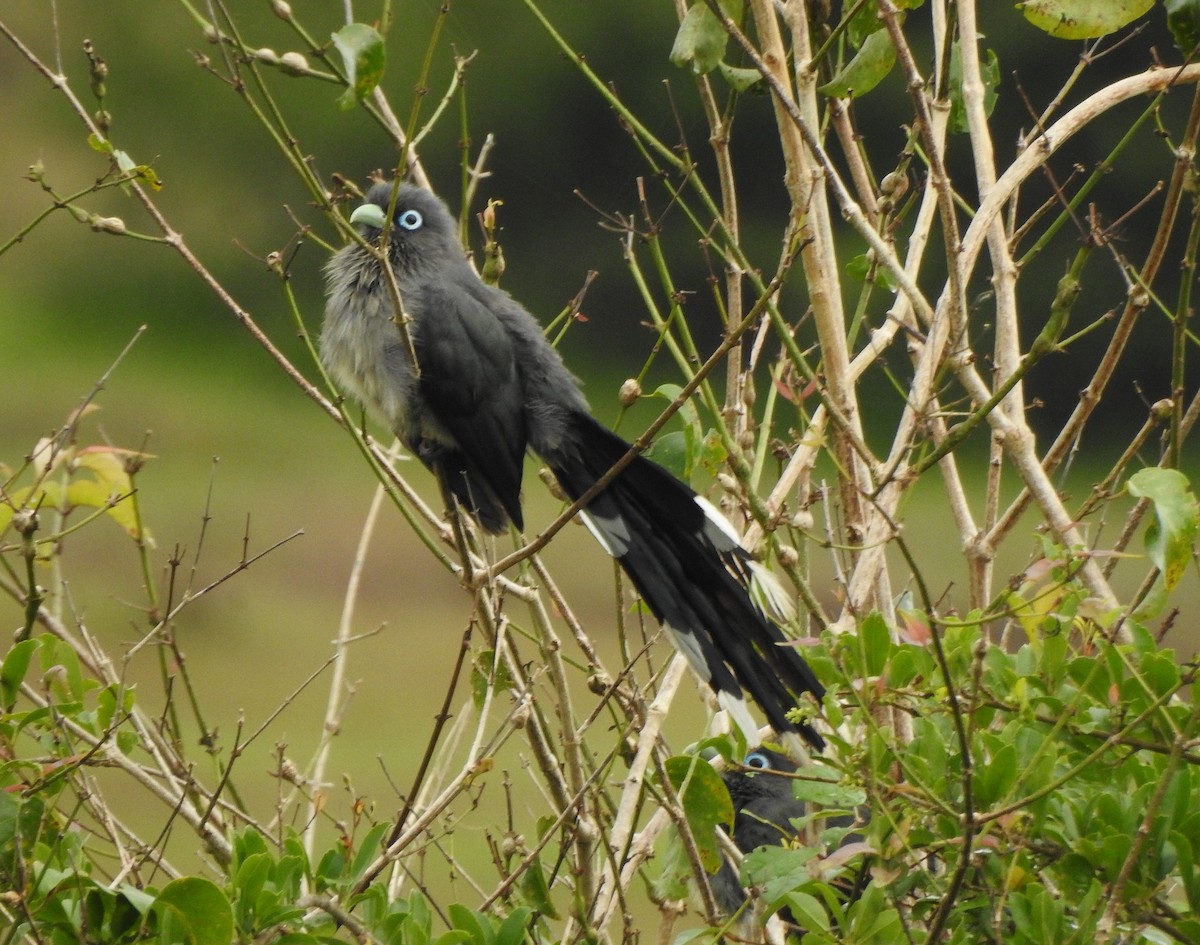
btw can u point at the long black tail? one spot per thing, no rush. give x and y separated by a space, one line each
689 568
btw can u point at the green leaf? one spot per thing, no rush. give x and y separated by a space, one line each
364 57
863 23
706 803
876 641
1188 874
198 908
701 39
670 393
823 788
712 452
249 842
10 818
369 849
55 653
475 923
886 927
111 701
680 451
533 886
989 73
862 267
418 913
670 450
1170 536
248 883
1082 19
808 911
487 672
110 480
96 143
869 67
512 929
331 868
149 176
13 670
674 867
927 753
415 932
1183 19
740 80
777 870
453 937
141 900
996 776
1054 655
1160 672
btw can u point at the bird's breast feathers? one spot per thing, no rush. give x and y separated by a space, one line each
363 349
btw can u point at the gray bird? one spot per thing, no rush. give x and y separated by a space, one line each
489 388
764 807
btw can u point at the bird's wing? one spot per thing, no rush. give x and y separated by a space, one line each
470 384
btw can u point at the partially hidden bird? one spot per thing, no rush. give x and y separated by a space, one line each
764 808
766 813
476 385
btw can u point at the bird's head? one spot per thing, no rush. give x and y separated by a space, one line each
761 784
422 233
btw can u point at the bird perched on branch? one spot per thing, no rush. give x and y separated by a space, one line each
475 385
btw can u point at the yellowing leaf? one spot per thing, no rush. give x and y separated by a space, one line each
1082 19
1169 538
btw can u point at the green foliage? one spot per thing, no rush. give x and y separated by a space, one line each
873 55
1069 756
267 883
46 864
1076 779
50 868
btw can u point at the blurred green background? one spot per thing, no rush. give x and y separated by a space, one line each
218 415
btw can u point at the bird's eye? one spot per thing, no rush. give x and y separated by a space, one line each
410 220
756 759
